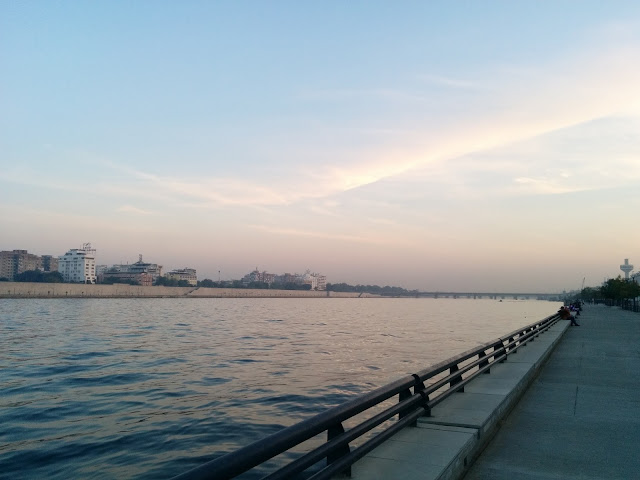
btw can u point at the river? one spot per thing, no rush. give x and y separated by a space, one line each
148 388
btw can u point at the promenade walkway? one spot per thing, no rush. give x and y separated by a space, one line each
580 418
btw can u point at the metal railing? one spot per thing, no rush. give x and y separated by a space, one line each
443 379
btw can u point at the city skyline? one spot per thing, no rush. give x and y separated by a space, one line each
495 147
297 273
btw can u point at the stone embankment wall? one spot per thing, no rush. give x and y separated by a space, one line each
74 290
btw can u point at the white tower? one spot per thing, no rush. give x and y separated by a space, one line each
626 268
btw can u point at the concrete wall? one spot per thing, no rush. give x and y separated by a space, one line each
56 290
24 289
241 292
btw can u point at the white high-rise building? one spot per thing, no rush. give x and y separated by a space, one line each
78 265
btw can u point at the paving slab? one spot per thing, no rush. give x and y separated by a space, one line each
418 452
580 418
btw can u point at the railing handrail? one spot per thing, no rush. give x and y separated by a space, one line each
409 408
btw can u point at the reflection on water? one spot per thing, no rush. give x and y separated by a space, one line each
147 388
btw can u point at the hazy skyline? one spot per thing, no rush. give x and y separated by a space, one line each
487 146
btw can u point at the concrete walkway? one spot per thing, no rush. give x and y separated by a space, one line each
580 418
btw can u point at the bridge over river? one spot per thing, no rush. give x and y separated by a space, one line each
494 295
546 401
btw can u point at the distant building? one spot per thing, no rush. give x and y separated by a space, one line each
258 276
101 269
287 278
49 263
317 281
152 269
187 274
138 268
114 276
314 280
321 281
15 262
78 265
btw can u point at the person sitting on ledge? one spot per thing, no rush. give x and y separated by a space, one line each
565 314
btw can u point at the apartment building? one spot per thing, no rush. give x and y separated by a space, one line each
188 274
15 262
139 268
78 265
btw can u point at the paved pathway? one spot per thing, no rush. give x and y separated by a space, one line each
580 419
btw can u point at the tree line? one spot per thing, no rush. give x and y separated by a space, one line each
36 276
208 283
56 277
332 287
613 291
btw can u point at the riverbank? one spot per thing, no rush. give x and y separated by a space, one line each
78 290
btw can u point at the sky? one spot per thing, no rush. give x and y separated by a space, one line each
467 146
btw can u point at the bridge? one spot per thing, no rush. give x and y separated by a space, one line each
493 295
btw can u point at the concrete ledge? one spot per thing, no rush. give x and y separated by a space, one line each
78 290
442 446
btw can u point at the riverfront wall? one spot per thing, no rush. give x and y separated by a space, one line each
75 290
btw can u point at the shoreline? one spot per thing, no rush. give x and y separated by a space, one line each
117 290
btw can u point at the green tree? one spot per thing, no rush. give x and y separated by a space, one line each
617 290
589 293
613 289
53 277
107 280
29 276
167 282
39 276
387 290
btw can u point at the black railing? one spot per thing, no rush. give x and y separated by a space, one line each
443 380
631 304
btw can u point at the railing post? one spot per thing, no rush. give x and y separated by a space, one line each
404 394
425 406
485 362
499 345
333 432
417 390
455 380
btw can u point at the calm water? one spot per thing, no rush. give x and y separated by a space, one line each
148 388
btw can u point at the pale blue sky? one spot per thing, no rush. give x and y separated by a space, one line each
451 145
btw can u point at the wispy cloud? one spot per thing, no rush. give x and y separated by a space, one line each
544 186
380 94
369 239
134 210
518 106
446 81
